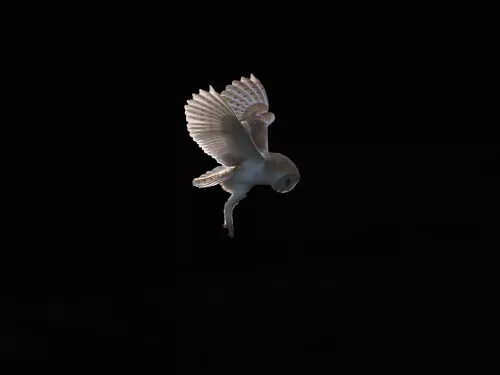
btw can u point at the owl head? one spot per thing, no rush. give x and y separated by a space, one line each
286 183
285 175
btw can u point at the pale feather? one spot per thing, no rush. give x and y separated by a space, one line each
213 124
214 177
248 99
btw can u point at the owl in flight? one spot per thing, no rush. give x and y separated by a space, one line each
231 127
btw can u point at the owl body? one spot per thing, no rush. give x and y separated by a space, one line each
251 173
232 128
247 174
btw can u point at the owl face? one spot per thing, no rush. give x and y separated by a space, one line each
286 183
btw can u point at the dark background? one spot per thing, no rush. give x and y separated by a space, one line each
395 216
393 219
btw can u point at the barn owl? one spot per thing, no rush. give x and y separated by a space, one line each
231 127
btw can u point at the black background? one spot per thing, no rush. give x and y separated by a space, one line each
393 219
395 216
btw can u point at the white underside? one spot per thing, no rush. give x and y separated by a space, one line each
250 173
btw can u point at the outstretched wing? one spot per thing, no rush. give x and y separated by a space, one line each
216 128
248 99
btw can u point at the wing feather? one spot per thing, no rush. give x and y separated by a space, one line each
248 99
212 124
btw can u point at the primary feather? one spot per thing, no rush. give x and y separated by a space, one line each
216 128
248 99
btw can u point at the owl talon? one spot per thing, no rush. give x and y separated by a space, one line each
230 230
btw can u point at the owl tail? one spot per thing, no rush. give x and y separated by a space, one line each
214 177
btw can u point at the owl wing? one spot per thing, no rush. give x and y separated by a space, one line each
248 99
218 131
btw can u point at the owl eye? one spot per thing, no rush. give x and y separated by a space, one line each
287 182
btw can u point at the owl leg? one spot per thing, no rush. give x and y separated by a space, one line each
229 206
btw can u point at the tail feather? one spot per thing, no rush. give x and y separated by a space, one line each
214 177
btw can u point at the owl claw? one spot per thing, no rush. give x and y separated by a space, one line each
230 230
